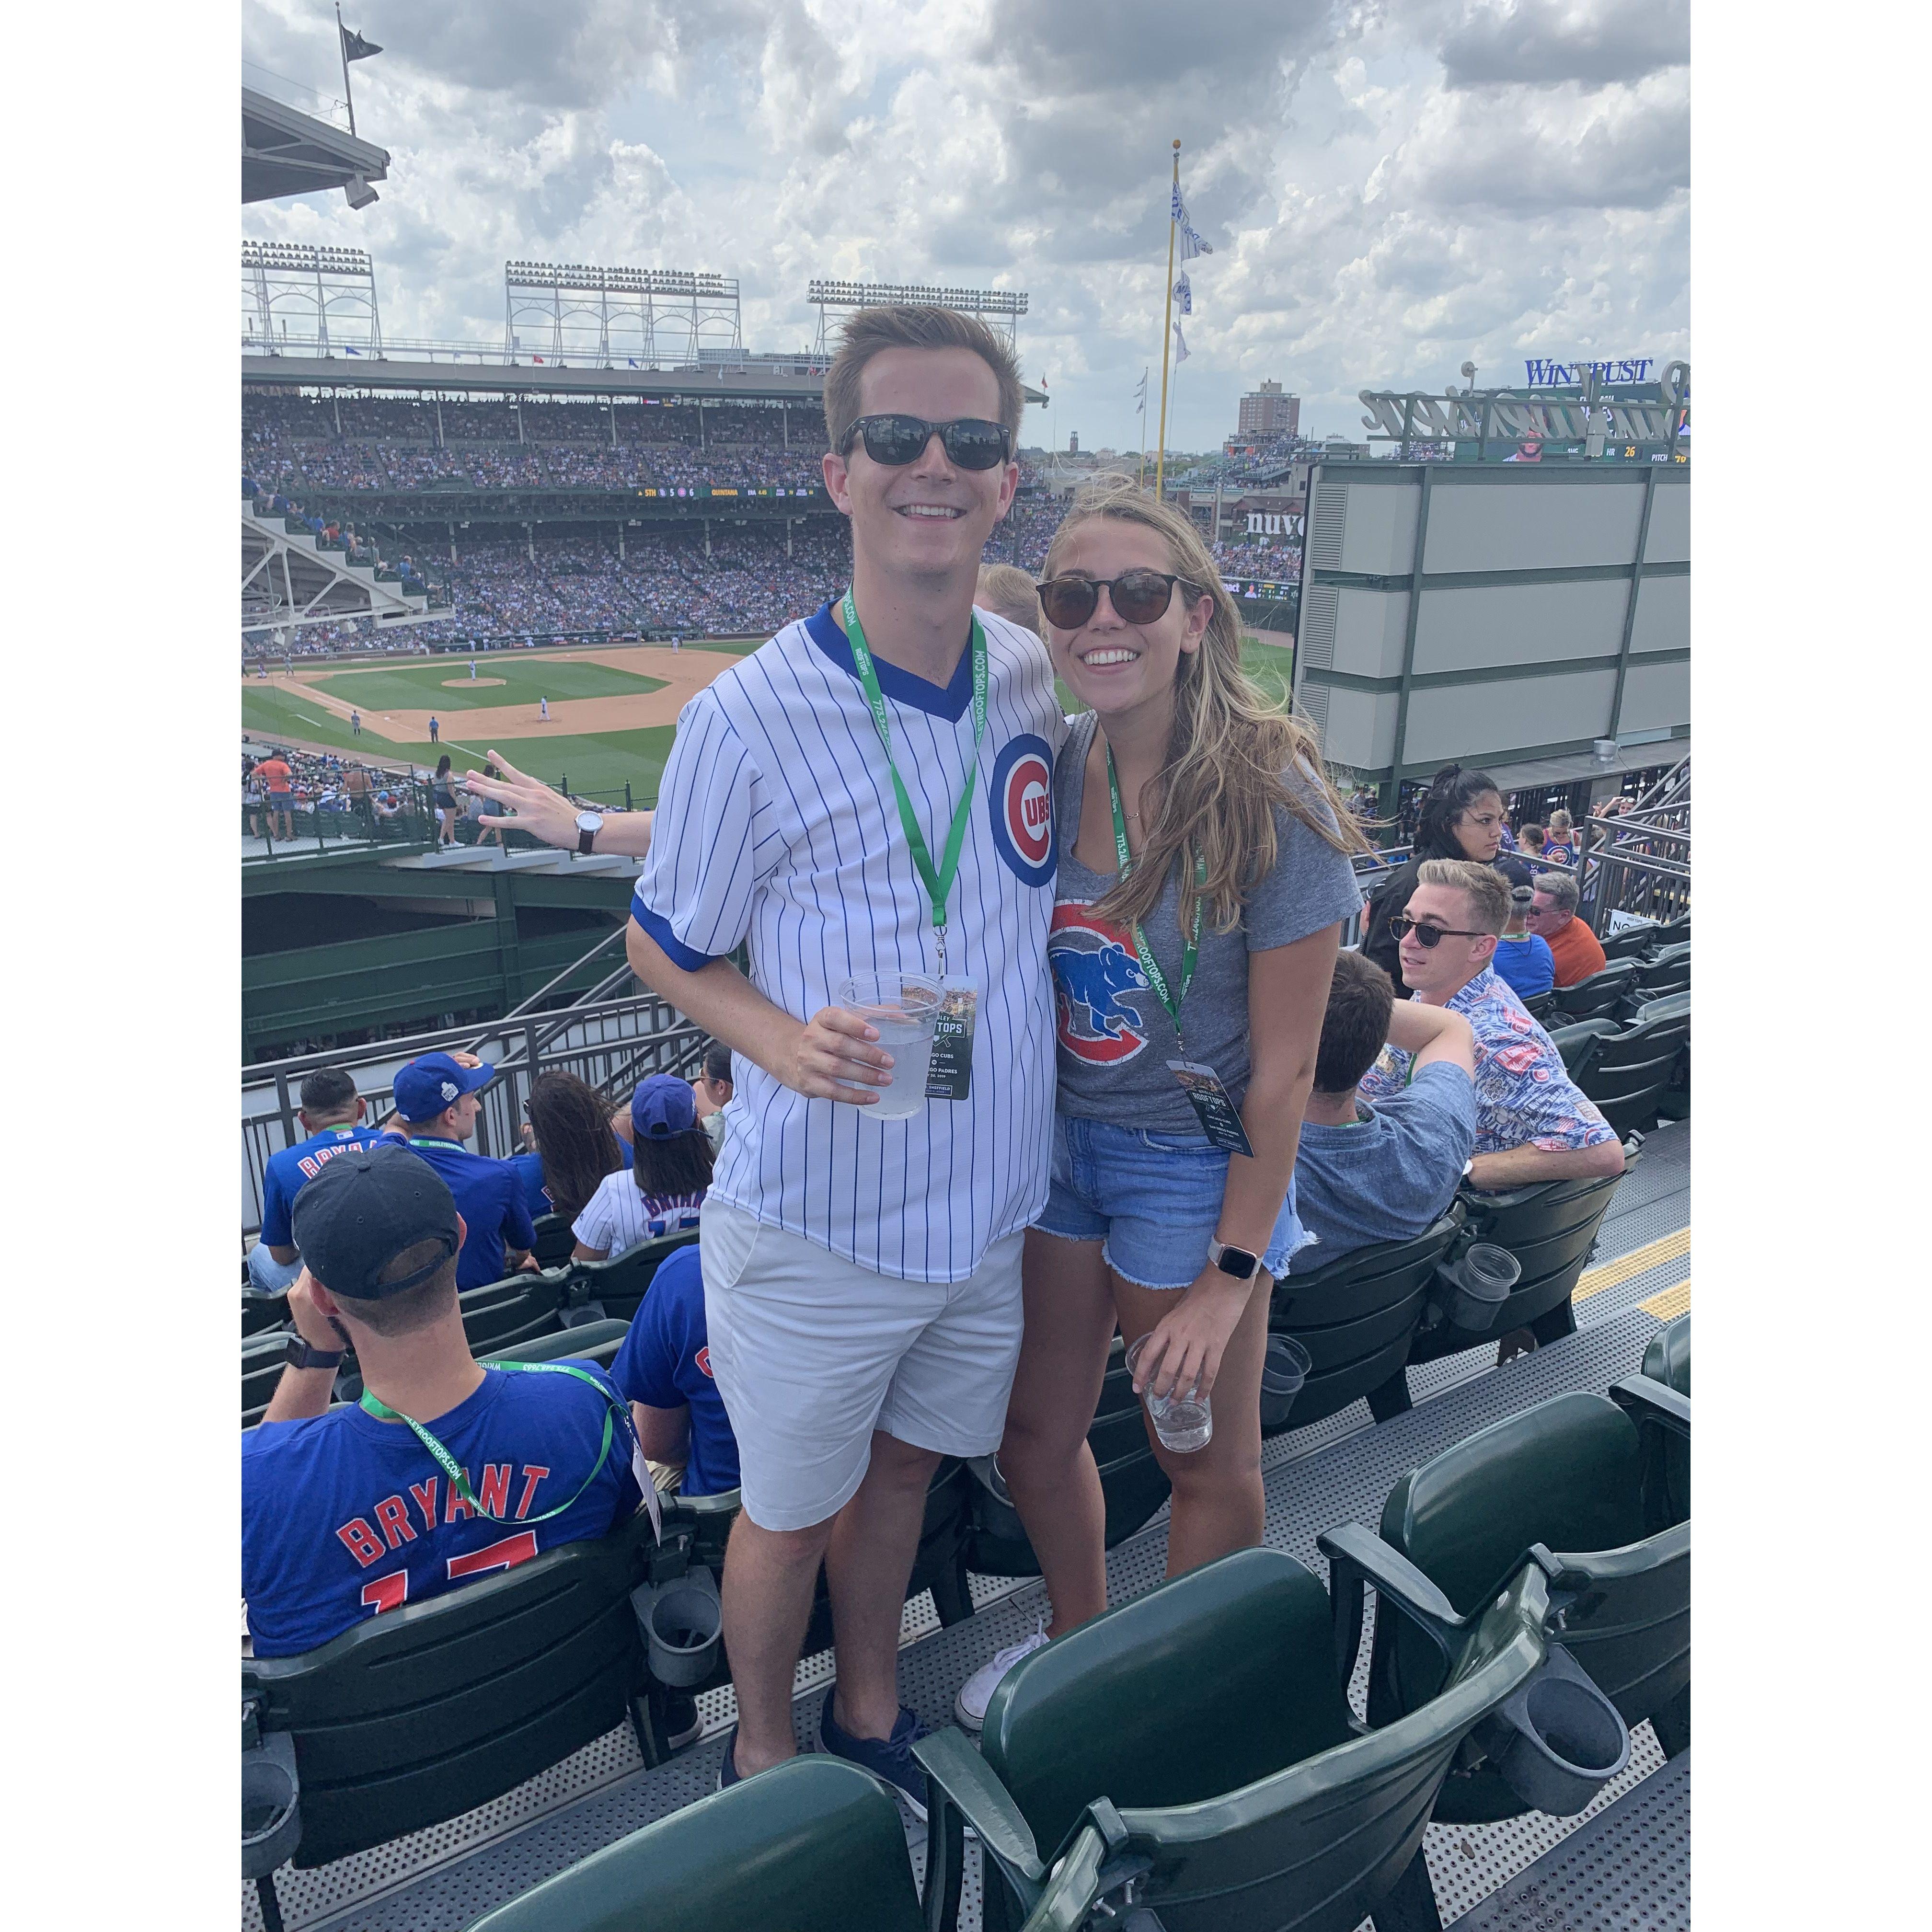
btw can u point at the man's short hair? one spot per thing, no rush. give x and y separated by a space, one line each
1559 886
328 1090
872 330
1486 888
412 1308
1008 592
1361 997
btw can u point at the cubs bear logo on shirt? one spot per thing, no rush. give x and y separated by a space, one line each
1022 805
1096 973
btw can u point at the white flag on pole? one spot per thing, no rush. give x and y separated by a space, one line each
1191 243
1179 346
1140 395
1183 295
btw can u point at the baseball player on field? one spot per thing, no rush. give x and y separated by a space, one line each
868 792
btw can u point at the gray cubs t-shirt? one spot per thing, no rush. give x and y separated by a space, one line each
1115 1036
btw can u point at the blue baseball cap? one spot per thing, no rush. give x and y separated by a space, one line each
425 1086
663 1106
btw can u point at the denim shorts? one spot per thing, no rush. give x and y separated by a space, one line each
1152 1199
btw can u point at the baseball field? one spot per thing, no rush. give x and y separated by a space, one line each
613 708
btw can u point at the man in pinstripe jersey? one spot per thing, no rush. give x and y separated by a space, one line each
862 1276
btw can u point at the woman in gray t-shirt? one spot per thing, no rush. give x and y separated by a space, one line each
1204 879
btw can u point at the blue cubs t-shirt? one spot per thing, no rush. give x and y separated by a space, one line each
664 1364
288 1172
343 1516
1563 854
1527 963
489 1197
1389 1176
530 1174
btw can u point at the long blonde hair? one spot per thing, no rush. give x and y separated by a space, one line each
1233 756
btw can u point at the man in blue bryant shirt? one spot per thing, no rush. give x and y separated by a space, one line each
346 1511
1367 1174
332 1114
664 1371
436 1098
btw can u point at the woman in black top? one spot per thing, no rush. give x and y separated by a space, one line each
1462 818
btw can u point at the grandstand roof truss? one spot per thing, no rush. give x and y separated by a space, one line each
289 580
631 318
285 281
1001 309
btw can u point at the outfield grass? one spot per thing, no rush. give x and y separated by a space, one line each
425 687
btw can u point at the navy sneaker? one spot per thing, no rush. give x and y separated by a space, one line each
889 1759
728 1773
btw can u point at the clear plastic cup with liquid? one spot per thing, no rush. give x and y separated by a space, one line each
1183 1420
904 1007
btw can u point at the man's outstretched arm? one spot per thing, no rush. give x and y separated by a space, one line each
1521 1167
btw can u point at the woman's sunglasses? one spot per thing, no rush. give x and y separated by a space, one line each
1139 597
1428 936
895 441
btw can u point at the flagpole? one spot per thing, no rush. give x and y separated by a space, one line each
1140 481
1166 333
348 92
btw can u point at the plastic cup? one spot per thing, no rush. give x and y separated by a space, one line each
1183 1422
904 1007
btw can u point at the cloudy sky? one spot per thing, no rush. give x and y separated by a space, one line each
1390 186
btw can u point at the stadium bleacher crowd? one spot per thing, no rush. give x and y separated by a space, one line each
458 1366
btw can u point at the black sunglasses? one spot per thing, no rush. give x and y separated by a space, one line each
894 440
1428 936
1139 597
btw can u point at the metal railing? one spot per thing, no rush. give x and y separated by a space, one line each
345 825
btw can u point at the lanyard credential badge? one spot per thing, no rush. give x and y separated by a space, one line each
937 881
1214 1107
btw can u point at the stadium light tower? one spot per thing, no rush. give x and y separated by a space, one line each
606 318
330 293
1002 308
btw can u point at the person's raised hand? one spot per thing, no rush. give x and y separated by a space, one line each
832 1060
318 1329
539 810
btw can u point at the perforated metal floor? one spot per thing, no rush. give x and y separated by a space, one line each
1337 1471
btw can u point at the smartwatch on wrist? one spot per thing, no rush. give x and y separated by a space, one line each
302 1354
589 824
1235 1261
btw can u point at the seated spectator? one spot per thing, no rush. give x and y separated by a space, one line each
1008 592
573 1146
1523 958
670 1174
1532 1122
1574 949
711 1092
1530 839
664 1371
435 1099
1367 1174
1559 843
345 1511
332 1114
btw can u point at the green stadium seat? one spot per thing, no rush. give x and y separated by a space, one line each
1568 1476
509 1313
554 1241
814 1846
1573 1041
617 1283
262 1313
1667 970
1599 995
1541 1007
1357 1319
419 1715
596 1342
1550 1228
1197 1742
1627 1069
262 1358
1132 1484
1667 1359
1633 942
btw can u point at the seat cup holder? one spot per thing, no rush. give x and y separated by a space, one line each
1475 1285
1284 1370
270 1805
683 1624
1558 1740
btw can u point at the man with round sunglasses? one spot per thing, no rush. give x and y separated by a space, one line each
1533 1122
870 792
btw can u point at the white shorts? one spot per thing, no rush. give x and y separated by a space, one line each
812 1353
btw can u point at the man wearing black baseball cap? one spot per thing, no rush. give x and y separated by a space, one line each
445 1470
436 1104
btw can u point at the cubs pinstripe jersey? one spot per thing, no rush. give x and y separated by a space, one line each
776 825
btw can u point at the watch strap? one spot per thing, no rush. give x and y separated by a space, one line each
300 1354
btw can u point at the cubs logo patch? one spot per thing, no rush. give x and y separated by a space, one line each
702 1359
1096 976
1020 800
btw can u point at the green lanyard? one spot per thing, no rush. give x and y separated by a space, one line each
458 1480
1149 964
938 884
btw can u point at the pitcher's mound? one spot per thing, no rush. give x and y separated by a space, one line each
467 683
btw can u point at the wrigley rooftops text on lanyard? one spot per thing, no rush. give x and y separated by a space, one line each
951 1073
1220 1121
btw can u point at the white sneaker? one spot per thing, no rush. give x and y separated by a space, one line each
977 1693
